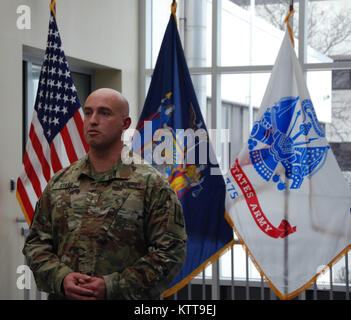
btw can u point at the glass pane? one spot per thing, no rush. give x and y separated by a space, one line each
339 272
323 281
239 261
339 128
161 11
338 275
208 273
253 272
341 79
239 92
252 34
319 84
328 30
194 26
202 87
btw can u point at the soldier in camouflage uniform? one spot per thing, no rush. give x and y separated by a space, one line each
104 229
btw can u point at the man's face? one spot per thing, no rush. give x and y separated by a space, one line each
104 121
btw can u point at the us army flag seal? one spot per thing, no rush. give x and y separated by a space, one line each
286 196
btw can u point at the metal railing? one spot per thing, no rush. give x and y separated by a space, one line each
211 285
247 288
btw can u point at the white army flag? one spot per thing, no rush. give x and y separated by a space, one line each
286 196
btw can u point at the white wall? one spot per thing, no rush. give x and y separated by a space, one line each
100 32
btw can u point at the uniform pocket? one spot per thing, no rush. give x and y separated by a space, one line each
127 225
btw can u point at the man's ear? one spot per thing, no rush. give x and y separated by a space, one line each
126 123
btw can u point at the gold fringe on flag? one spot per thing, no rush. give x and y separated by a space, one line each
306 286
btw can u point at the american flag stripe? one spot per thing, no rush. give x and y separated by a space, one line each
58 148
75 138
56 136
31 174
66 139
34 160
78 119
55 161
38 148
29 190
38 129
24 201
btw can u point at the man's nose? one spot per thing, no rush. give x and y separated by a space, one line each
93 119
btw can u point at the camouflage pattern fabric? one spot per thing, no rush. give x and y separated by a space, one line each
125 225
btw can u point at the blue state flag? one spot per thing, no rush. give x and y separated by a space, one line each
173 137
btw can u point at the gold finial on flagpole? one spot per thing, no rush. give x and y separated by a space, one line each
288 24
291 8
52 7
174 9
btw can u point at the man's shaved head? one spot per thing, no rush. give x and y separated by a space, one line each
116 99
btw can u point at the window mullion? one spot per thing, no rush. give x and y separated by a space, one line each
215 119
303 29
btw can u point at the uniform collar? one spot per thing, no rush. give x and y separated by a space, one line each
119 171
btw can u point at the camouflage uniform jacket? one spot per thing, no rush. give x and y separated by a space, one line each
125 225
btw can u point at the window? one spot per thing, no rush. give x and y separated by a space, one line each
341 80
233 44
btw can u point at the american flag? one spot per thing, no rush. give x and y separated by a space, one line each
56 133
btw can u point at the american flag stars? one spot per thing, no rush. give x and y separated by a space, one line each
56 136
60 100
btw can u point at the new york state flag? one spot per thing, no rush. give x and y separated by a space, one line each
170 111
286 196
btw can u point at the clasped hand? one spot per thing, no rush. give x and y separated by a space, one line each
78 286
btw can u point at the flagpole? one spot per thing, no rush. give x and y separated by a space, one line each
291 8
287 191
52 7
174 9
